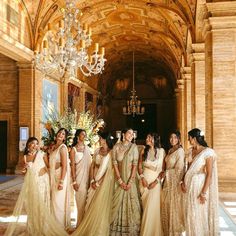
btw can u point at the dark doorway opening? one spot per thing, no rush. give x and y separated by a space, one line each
3 146
144 123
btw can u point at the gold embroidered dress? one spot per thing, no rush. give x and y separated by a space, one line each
172 207
126 209
201 219
151 218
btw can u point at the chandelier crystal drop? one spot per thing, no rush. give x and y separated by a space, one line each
133 106
67 50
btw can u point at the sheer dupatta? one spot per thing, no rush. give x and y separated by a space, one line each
40 222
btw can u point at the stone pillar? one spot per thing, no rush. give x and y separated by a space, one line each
186 76
180 109
220 41
26 102
198 86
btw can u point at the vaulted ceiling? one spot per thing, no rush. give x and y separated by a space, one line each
156 30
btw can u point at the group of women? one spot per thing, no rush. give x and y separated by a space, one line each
123 189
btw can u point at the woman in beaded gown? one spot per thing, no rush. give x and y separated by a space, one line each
171 197
34 197
200 186
150 165
80 164
60 179
126 209
96 219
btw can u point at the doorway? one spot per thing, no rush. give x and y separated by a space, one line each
144 123
3 146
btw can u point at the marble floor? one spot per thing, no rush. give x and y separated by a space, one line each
9 191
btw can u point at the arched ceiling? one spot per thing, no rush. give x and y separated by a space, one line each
155 29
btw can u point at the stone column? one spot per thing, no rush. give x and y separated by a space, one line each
186 76
26 102
220 40
198 86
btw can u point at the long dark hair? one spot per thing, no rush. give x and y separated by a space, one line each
31 139
197 133
124 132
66 134
110 140
178 135
77 133
157 144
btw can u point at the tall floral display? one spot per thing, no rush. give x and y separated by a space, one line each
72 121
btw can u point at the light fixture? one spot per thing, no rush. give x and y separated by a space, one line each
67 50
133 106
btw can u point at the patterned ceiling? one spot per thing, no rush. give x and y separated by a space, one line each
156 30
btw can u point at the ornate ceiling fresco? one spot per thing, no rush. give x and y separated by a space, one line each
157 30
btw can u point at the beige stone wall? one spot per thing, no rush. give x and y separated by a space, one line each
9 106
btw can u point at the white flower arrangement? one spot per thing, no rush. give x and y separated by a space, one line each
202 133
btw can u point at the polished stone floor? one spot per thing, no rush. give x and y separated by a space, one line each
10 189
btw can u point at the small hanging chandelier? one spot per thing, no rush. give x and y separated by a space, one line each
133 106
67 49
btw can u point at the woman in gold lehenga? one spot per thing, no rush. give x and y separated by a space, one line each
173 169
150 166
34 198
96 219
200 186
126 209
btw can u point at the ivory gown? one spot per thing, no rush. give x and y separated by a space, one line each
82 165
151 218
34 200
201 219
60 198
171 197
96 219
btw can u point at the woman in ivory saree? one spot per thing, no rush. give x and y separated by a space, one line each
150 165
126 209
60 179
200 186
171 197
80 163
96 219
34 198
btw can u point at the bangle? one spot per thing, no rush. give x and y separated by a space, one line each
92 181
120 181
62 181
60 185
74 183
203 194
97 184
141 176
181 182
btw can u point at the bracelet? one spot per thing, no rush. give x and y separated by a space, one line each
142 176
97 184
74 183
203 194
61 181
181 182
60 185
92 181
120 181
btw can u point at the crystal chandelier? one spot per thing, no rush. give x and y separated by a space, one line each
133 106
67 50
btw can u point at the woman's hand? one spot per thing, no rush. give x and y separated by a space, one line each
128 186
123 185
161 175
183 187
152 184
144 182
76 187
202 198
60 187
93 185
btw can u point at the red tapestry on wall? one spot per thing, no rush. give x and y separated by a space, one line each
73 97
